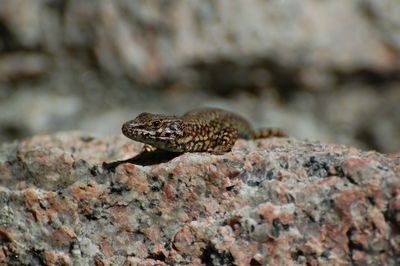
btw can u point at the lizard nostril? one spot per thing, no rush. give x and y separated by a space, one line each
125 129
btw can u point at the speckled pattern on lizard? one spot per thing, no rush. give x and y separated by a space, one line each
200 130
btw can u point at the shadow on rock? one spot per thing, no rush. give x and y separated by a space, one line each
144 159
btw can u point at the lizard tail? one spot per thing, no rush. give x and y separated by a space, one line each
268 132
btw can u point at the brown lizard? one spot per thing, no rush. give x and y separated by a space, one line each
201 130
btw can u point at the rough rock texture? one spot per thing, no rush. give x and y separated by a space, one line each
67 64
275 202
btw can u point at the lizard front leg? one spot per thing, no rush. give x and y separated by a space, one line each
148 148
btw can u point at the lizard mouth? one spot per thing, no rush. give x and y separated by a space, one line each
138 133
158 137
150 138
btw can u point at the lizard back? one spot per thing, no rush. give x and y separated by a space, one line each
219 119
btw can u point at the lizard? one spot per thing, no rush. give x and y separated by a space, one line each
210 130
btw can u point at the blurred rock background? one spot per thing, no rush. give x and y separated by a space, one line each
326 70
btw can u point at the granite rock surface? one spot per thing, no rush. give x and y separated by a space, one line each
317 68
267 202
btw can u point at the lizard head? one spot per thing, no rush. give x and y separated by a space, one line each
160 131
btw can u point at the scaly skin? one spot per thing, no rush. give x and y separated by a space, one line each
200 130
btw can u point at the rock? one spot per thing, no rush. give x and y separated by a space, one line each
146 41
26 112
268 202
311 64
20 66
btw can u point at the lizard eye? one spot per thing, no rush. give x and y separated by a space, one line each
156 123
